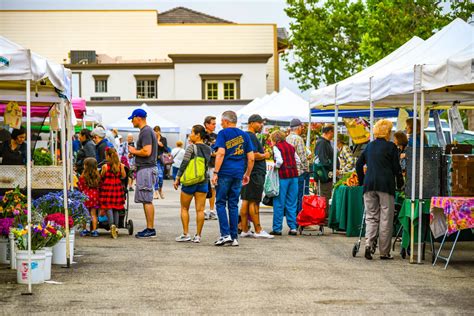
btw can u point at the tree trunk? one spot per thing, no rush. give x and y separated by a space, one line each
470 120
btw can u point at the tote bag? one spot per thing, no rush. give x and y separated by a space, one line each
195 171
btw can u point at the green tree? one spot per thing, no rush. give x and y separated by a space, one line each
388 24
332 40
325 40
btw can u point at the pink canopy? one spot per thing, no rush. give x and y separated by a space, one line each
79 106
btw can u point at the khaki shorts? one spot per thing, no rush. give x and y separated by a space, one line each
146 178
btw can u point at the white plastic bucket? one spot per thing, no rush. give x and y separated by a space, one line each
47 263
59 250
37 266
12 251
4 250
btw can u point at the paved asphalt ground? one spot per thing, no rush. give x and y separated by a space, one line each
303 274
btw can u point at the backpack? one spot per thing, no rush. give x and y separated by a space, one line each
195 171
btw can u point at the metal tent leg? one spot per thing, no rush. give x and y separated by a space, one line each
447 259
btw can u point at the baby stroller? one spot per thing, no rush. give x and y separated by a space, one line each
124 221
313 213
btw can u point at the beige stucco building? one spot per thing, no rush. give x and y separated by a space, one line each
174 60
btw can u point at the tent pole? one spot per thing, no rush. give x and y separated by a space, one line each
308 135
64 166
71 132
420 199
28 176
371 103
336 119
413 170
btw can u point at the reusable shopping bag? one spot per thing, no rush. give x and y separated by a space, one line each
272 183
195 171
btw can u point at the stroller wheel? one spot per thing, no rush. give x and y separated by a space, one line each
130 227
355 249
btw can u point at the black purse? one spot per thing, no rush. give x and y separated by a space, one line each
268 201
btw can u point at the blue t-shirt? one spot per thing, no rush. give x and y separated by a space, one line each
237 144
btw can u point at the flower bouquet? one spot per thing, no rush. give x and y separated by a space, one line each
58 219
5 225
57 233
53 203
39 237
12 200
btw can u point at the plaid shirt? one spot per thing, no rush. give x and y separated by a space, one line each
346 159
298 143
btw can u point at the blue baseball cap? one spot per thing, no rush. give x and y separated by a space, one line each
137 113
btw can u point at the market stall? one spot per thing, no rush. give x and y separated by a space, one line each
428 75
28 78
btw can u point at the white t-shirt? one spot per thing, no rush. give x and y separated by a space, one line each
178 156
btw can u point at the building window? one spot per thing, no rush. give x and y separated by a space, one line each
229 90
101 86
221 86
147 87
101 83
212 90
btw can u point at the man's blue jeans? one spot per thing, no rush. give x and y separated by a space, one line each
285 204
227 194
303 189
159 179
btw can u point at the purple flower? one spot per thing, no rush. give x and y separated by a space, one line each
5 224
16 212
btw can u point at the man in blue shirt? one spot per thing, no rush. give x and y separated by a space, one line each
234 163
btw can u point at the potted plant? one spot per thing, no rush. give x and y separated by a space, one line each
53 203
51 206
39 238
5 225
42 157
56 235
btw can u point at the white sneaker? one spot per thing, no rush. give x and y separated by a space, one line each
213 215
247 234
235 243
206 215
223 240
263 234
183 237
196 239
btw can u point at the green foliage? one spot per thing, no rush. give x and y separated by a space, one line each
42 157
334 39
324 40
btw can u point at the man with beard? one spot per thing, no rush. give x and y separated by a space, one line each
251 193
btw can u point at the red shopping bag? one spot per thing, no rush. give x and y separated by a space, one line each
313 212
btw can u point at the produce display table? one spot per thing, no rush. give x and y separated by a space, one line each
457 214
405 218
347 209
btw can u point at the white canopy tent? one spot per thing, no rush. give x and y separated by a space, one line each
391 85
28 77
153 119
438 71
244 113
285 107
325 96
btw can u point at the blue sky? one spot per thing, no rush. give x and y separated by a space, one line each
240 11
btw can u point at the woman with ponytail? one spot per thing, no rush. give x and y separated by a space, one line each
111 193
